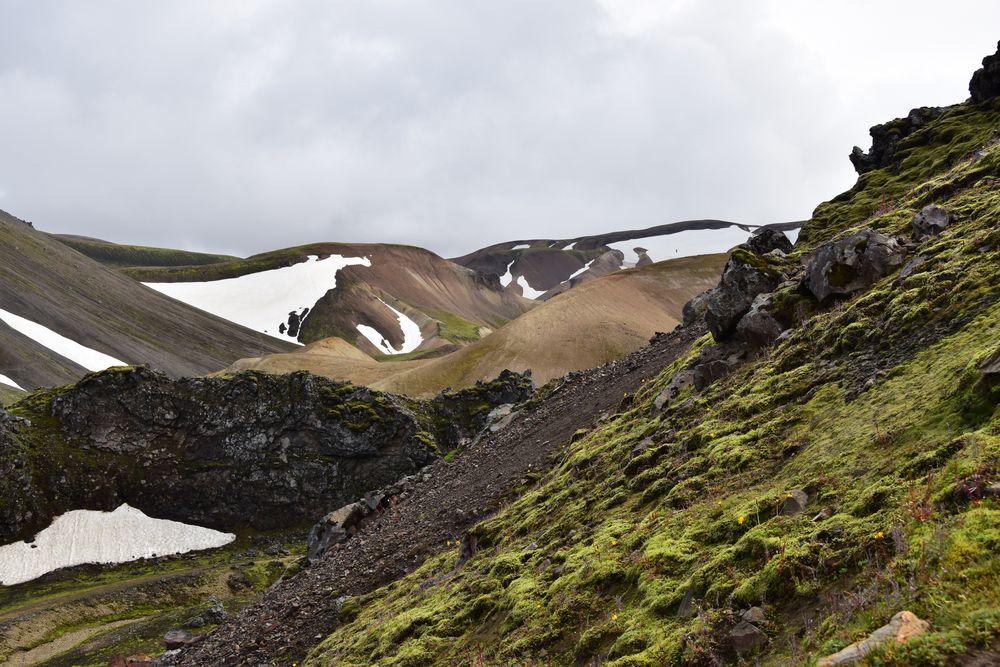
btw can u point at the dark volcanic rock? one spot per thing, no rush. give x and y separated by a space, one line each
931 220
985 83
695 309
886 136
758 327
746 636
851 264
766 240
744 277
177 639
253 449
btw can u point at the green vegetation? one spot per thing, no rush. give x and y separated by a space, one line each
453 328
875 407
129 607
124 256
10 395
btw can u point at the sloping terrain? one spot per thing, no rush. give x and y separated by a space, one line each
602 320
542 268
117 255
71 302
826 460
588 326
372 295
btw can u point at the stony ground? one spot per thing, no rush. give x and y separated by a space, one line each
447 499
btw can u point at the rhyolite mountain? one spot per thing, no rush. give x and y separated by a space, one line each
544 268
50 284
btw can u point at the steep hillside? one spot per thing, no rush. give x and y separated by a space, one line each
825 463
542 268
371 295
78 312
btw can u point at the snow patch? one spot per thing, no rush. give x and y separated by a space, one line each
521 246
570 246
527 290
508 277
10 383
686 243
792 234
86 536
579 271
412 338
90 359
273 301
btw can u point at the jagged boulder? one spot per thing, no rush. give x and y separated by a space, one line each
178 639
795 502
695 309
990 368
334 528
746 636
985 82
886 137
851 264
759 327
746 275
931 220
678 383
767 239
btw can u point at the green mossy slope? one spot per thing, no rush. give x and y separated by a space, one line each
875 407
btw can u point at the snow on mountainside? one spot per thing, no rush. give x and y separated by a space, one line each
90 359
86 536
549 267
66 314
273 302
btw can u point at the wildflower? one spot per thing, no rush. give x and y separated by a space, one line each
719 503
614 617
741 519
879 535
614 543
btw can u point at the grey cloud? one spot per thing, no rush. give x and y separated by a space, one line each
243 126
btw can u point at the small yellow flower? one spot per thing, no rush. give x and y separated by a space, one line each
719 503
788 495
614 617
879 535
614 543
741 520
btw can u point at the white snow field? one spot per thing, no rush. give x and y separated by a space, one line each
527 290
412 337
264 300
792 234
508 278
682 244
10 383
87 536
579 271
90 359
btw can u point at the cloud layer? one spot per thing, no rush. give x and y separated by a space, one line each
247 125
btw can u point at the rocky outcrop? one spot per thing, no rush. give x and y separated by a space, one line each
694 310
904 626
851 264
985 83
931 220
759 327
886 137
254 449
746 275
767 240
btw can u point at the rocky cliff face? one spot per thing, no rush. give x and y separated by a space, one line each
254 449
985 83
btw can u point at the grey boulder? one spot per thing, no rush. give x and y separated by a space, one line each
851 264
931 220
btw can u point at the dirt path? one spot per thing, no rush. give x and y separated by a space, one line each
448 499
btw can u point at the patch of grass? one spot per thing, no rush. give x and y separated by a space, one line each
124 256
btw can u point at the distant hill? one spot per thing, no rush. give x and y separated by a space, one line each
602 320
543 268
62 314
384 299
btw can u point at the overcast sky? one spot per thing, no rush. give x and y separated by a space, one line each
248 125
